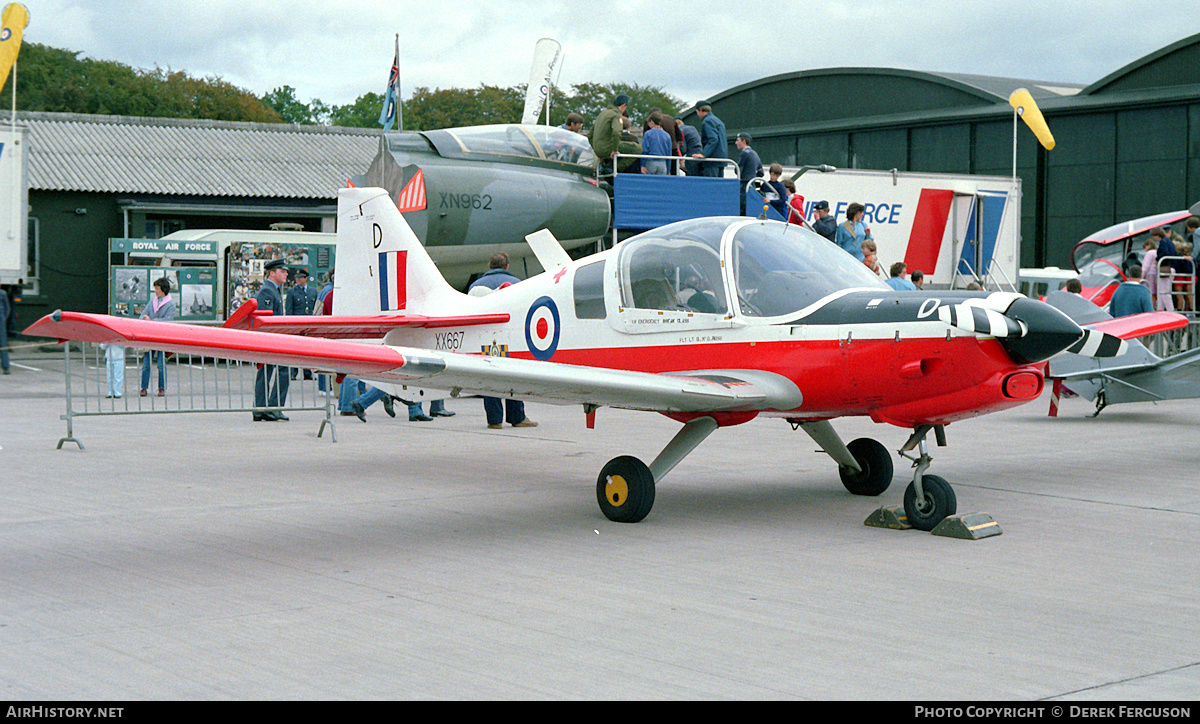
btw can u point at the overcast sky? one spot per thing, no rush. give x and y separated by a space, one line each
337 50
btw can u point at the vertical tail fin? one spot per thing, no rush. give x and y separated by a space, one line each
381 265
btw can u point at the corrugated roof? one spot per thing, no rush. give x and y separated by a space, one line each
118 154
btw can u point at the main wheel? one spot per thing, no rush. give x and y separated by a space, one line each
625 490
939 502
876 464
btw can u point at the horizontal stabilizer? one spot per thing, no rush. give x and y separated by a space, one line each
373 326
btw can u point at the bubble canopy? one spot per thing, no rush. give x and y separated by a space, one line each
771 268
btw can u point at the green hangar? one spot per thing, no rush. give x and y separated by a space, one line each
1127 145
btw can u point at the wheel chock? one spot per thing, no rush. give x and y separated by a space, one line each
893 518
968 526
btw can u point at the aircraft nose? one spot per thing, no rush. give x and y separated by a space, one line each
1050 331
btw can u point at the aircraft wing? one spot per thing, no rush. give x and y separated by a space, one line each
376 326
692 391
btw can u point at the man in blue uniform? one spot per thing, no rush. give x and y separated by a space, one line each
497 277
713 141
271 382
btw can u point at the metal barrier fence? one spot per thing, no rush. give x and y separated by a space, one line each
1165 344
107 381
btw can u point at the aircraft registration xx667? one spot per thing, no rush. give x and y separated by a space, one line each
712 322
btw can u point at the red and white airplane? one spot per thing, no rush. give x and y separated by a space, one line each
712 322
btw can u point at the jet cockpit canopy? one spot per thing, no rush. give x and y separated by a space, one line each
513 142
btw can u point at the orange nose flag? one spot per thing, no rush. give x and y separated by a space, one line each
12 26
1028 111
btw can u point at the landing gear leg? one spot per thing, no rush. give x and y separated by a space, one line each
929 499
864 465
625 488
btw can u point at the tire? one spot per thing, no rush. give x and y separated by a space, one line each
939 503
625 490
876 464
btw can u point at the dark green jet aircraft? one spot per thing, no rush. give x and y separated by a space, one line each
470 192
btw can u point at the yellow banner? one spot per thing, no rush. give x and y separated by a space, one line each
1027 109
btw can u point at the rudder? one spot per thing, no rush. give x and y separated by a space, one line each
382 268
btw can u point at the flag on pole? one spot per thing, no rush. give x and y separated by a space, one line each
12 27
1023 103
391 99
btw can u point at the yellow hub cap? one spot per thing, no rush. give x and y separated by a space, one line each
616 490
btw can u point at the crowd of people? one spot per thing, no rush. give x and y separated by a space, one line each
679 149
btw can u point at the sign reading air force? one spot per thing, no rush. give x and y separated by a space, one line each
542 328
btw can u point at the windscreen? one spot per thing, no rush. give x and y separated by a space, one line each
782 268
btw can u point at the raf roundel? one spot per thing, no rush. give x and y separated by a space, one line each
541 328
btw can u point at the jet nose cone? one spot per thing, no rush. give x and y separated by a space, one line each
1050 331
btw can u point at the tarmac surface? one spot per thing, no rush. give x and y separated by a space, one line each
204 556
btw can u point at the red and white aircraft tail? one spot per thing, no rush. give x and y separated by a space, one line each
382 268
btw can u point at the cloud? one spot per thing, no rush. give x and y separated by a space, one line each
338 51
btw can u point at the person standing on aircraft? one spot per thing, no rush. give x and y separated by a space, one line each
673 128
300 301
655 142
897 280
779 204
1131 297
161 308
606 133
749 165
271 381
824 223
713 141
690 147
852 232
497 277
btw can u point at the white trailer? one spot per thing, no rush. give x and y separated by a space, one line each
14 205
956 228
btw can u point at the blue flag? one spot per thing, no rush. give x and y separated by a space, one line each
391 99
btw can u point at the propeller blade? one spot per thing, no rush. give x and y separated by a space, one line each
981 320
1095 343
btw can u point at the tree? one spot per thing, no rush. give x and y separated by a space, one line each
426 110
588 99
283 101
363 113
57 80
